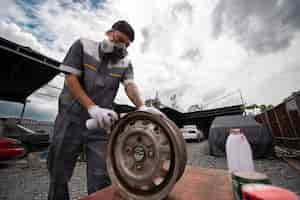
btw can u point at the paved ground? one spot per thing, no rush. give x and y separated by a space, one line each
18 181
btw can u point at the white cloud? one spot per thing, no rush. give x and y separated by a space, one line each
13 32
269 78
10 10
167 33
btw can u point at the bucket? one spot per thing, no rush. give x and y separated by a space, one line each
241 178
266 192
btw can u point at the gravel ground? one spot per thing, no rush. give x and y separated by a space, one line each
18 181
279 172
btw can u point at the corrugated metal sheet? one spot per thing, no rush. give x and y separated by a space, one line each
23 71
284 122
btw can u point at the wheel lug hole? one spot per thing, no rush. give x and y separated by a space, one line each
128 150
151 154
139 139
139 167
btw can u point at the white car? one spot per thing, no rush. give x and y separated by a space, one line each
190 132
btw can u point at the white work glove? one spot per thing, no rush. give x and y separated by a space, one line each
101 118
151 110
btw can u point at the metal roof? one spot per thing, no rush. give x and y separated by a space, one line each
23 71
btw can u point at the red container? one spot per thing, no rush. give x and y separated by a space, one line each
266 192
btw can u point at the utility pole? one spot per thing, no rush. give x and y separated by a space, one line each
243 102
241 95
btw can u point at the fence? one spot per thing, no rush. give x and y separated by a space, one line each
283 121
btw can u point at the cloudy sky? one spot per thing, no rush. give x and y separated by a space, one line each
199 50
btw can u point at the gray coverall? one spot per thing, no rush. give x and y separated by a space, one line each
100 80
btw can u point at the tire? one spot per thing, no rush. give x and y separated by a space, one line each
125 150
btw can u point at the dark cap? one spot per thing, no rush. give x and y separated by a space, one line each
125 28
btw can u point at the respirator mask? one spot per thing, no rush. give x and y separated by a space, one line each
114 51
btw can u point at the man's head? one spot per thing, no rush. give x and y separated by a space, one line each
118 39
121 32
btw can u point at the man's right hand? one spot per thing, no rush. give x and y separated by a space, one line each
105 117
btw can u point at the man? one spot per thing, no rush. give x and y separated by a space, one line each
95 70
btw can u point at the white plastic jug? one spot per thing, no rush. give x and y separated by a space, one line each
238 152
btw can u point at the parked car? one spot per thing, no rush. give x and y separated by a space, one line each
191 132
10 149
32 140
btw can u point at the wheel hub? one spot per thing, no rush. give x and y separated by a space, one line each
139 153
